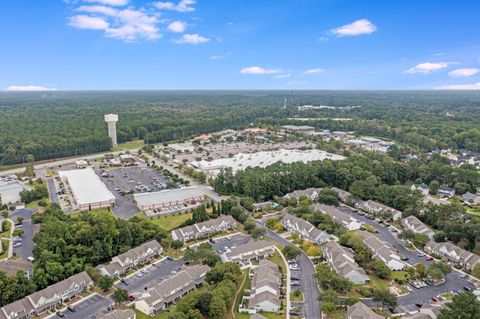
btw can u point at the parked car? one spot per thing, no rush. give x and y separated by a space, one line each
131 298
169 258
435 299
429 258
71 308
123 281
60 314
467 288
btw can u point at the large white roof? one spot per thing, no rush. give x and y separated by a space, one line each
86 186
166 196
263 159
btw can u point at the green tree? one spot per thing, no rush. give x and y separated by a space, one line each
385 297
463 306
105 283
176 244
433 187
120 295
328 308
290 251
217 307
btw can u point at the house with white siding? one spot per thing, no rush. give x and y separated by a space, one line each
381 250
347 221
452 253
304 229
415 225
204 229
341 260
265 291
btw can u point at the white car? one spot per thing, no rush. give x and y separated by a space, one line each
139 274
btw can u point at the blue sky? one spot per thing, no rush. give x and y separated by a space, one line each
239 44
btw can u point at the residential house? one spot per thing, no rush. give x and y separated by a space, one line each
204 229
136 256
342 195
414 224
382 250
423 188
246 253
445 191
12 266
427 311
471 199
341 260
361 311
266 285
347 221
310 193
48 298
452 253
118 314
161 295
304 229
376 208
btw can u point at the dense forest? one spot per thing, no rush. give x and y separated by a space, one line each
59 124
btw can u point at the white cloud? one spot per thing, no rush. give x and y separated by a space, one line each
177 26
87 22
473 86
359 27
220 56
192 39
125 24
463 73
314 71
283 76
29 88
110 2
322 39
259 70
428 67
182 6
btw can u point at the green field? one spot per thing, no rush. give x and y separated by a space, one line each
169 222
5 245
131 145
141 315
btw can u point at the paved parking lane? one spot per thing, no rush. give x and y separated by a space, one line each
88 308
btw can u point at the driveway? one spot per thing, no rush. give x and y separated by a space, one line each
87 308
52 191
235 240
306 276
26 249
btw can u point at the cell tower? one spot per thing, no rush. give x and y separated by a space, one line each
112 120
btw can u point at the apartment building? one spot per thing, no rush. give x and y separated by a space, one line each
379 209
304 229
136 256
452 253
382 250
341 260
361 311
347 221
251 251
415 225
266 285
204 229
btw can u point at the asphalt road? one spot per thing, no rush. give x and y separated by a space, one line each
306 276
26 249
88 308
52 191
235 240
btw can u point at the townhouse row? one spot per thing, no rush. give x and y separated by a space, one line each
48 298
382 250
266 288
204 229
305 229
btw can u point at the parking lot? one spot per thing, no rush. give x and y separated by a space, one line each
25 247
152 275
88 308
125 181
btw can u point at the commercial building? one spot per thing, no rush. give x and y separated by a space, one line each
382 250
170 200
342 261
10 191
414 224
347 221
204 229
251 251
48 298
182 147
452 253
87 189
301 129
118 314
266 285
168 291
12 266
136 256
304 229
241 161
361 311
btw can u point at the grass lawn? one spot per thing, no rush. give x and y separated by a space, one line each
141 315
246 285
129 145
6 233
338 314
35 202
276 259
169 222
94 212
399 275
5 245
294 298
447 295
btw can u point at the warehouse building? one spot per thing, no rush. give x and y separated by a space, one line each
87 190
10 191
169 201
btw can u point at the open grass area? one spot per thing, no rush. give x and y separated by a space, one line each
141 315
277 259
131 145
5 245
338 314
399 275
6 233
241 289
169 222
94 212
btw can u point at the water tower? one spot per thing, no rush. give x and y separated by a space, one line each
112 120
